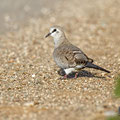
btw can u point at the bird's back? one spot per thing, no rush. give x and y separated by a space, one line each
68 55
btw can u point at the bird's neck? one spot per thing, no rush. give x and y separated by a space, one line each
59 41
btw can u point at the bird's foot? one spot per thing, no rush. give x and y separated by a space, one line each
65 76
76 75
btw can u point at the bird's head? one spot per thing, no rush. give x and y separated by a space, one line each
56 32
58 35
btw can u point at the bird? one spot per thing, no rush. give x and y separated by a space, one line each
67 56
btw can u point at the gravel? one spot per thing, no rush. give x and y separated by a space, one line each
30 87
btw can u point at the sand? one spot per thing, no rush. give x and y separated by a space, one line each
31 89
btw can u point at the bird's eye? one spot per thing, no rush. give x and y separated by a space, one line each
54 30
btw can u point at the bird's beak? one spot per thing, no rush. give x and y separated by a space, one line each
48 35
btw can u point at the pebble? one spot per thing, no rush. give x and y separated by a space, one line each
33 75
28 104
110 113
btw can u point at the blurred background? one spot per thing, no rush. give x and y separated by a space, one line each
14 13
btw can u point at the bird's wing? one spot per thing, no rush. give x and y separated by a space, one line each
75 56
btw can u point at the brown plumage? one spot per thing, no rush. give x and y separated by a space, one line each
67 56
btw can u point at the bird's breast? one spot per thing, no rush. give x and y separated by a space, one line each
60 59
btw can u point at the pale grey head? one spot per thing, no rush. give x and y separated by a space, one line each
58 35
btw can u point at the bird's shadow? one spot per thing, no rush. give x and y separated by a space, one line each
82 73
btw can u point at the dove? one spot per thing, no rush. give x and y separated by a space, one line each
67 56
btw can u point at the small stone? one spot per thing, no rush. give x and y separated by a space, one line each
85 89
33 75
29 104
110 113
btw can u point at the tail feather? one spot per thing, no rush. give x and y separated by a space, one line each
91 65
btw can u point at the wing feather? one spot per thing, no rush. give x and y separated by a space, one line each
70 56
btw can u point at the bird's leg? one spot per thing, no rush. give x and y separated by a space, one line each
65 76
76 75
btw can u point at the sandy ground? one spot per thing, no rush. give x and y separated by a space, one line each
31 89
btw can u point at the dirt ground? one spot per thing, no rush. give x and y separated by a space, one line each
31 89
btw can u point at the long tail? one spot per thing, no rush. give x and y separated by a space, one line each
91 65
